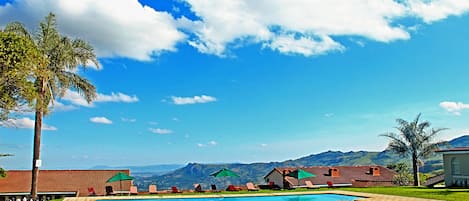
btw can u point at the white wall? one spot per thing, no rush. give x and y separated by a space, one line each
276 177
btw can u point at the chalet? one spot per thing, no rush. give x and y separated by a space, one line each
356 176
54 184
456 166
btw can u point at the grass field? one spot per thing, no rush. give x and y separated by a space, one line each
420 192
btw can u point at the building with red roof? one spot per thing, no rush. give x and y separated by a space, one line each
356 176
60 183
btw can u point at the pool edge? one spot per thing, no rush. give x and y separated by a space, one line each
363 196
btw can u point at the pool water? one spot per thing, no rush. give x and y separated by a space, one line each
315 197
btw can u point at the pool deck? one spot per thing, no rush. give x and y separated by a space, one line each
366 196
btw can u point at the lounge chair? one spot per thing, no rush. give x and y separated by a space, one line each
198 188
152 189
274 186
109 190
310 185
91 191
251 187
214 188
175 189
231 188
133 190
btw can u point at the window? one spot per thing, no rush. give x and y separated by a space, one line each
455 168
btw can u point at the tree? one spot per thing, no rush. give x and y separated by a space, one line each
413 140
52 79
18 56
403 176
2 171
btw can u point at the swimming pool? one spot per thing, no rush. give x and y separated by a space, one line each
310 197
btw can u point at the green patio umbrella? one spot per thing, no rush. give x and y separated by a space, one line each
300 174
224 173
120 176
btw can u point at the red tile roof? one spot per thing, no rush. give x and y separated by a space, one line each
347 174
19 181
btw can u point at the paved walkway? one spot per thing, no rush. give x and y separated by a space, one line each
366 196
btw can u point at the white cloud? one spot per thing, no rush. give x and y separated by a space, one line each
160 131
192 100
128 120
142 32
58 106
224 22
454 107
76 99
100 120
25 123
119 97
119 28
431 11
328 115
306 46
210 143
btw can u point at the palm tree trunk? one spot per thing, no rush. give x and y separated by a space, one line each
415 169
37 146
37 139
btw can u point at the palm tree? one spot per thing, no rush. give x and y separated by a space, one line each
414 139
56 75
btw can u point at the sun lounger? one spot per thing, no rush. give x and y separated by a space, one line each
310 185
251 187
231 188
198 188
214 188
152 189
91 191
175 189
109 190
133 190
274 186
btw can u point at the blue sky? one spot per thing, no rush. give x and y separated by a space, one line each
241 81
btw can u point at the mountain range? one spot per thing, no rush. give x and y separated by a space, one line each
143 171
186 176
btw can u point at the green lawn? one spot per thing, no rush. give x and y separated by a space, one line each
420 192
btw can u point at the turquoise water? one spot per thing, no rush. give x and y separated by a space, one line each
315 197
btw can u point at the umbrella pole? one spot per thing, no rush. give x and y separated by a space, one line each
120 182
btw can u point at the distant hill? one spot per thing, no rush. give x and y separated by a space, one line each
192 173
460 141
142 171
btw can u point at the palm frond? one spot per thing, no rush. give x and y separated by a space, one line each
81 85
83 52
428 149
397 144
